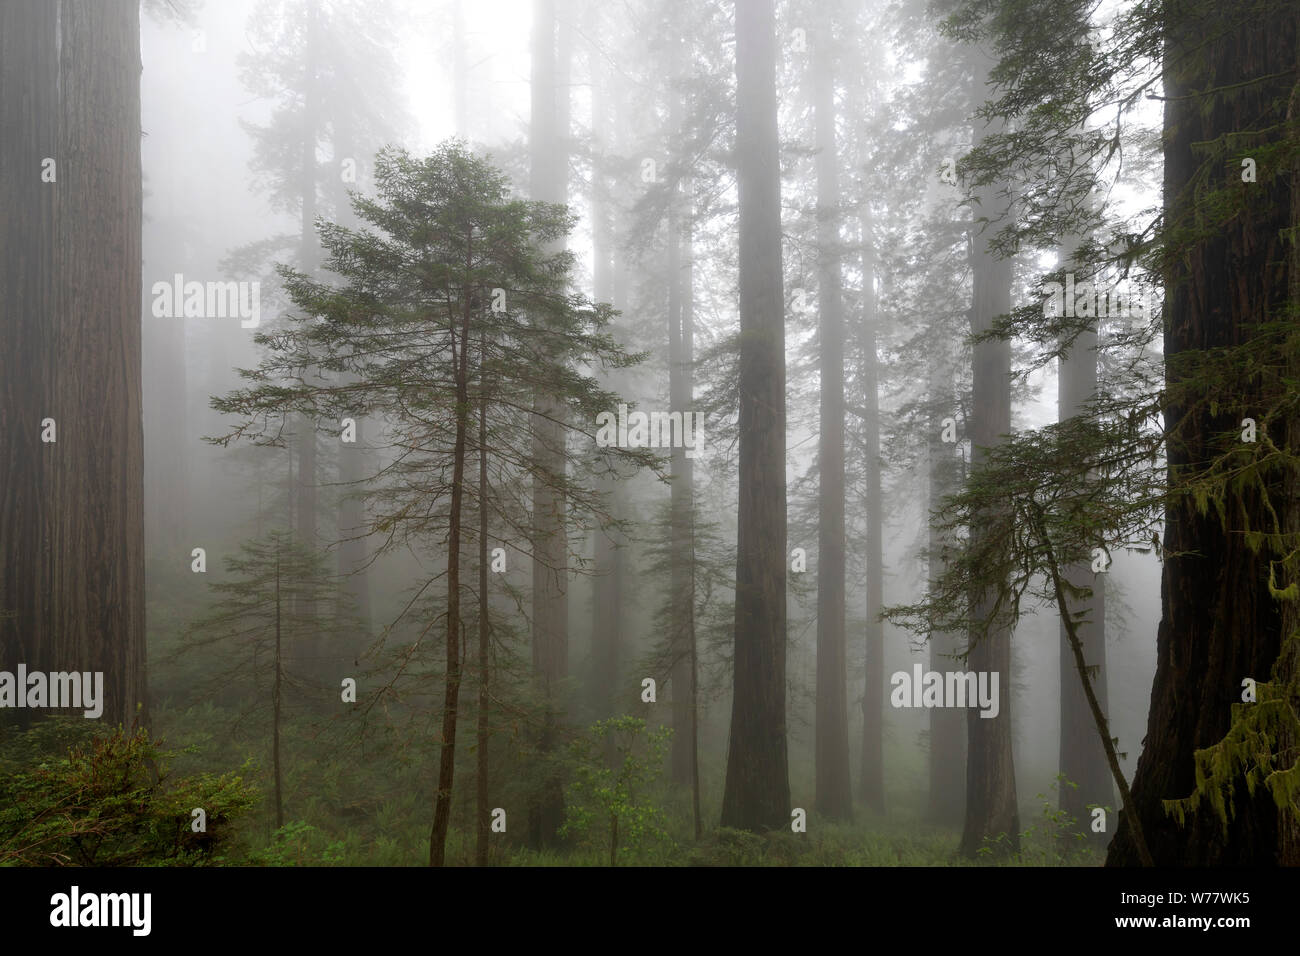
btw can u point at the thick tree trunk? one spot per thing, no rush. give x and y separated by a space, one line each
308 257
95 472
834 797
681 387
947 725
1219 623
757 792
548 181
28 272
693 642
991 809
606 597
874 677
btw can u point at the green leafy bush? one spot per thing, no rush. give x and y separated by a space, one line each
109 801
608 801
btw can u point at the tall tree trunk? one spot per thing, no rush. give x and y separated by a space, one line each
757 792
873 690
460 348
681 389
947 725
460 76
605 578
548 153
95 472
834 796
311 646
275 703
483 804
688 362
353 457
991 809
1286 672
29 116
1082 756
1219 623
308 258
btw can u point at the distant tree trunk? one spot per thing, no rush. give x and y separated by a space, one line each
95 472
1082 756
947 725
28 272
460 78
605 578
548 181
169 437
1219 623
688 361
991 808
681 389
757 792
873 691
834 796
353 457
305 517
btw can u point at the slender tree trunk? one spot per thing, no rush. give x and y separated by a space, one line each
1083 759
1085 683
873 690
1219 623
95 471
757 792
275 704
29 117
451 698
483 801
834 797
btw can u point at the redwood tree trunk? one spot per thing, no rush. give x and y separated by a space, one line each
548 179
991 809
95 472
947 725
681 387
834 797
757 792
29 117
873 686
1219 624
1082 756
